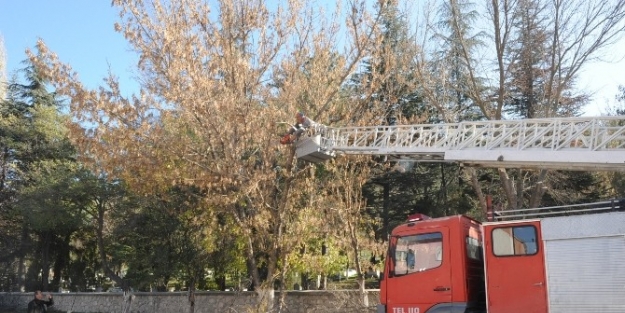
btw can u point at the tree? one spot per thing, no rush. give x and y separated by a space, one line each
455 91
52 215
387 84
208 110
389 94
348 207
615 181
100 199
527 55
38 166
538 48
555 42
10 222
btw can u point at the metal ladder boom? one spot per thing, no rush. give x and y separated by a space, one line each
582 143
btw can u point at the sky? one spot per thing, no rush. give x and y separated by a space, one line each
82 34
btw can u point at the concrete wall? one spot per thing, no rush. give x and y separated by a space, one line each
344 301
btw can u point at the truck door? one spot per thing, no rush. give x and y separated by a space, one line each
419 272
515 270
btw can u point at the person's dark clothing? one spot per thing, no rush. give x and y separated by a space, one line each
39 306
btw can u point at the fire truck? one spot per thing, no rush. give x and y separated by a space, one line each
555 259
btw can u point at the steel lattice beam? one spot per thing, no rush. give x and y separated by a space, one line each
566 143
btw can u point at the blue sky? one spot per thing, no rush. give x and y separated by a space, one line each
81 33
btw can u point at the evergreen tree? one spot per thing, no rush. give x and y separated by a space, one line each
399 188
388 85
38 170
454 62
527 56
529 61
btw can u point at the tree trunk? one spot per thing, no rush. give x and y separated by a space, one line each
520 186
322 282
266 298
20 267
478 190
221 282
62 256
385 209
192 295
538 190
508 187
364 297
304 280
444 189
250 262
45 260
103 259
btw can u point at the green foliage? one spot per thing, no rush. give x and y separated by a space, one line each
431 189
387 84
48 202
38 176
455 59
319 256
215 199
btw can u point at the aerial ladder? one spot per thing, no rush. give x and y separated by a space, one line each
578 143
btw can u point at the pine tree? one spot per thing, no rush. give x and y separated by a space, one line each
38 162
388 85
454 62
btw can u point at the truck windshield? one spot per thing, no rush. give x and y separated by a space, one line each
417 253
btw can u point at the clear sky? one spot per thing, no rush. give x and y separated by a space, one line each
81 33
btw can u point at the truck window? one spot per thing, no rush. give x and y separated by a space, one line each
474 248
418 253
518 240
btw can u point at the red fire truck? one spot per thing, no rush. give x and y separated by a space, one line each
567 263
559 259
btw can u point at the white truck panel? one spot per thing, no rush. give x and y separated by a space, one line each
581 226
585 262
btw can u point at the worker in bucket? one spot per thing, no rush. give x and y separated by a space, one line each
302 123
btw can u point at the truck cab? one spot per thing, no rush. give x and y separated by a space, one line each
434 265
552 259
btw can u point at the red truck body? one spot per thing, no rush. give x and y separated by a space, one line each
556 264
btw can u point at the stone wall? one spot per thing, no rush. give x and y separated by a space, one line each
344 301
